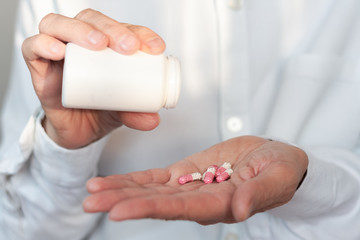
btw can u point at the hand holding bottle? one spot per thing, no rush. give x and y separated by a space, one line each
44 55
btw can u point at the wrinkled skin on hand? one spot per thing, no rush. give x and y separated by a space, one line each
266 175
44 55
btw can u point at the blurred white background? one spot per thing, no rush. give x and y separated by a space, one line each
7 21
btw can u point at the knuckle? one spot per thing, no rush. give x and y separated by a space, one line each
24 47
140 29
27 46
143 31
86 13
110 27
46 21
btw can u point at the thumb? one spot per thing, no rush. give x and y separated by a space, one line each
272 187
140 121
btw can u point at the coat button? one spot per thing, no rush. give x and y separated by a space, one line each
235 4
231 236
234 124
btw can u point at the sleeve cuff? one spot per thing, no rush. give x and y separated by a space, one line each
326 187
62 166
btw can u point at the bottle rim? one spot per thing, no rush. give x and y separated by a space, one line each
173 76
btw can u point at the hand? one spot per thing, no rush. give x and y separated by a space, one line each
266 175
44 55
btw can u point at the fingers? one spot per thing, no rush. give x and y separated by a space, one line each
151 176
150 41
99 184
102 202
121 39
107 192
105 200
158 206
38 52
193 205
124 38
72 30
90 29
43 46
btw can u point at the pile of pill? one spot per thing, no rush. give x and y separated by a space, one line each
213 172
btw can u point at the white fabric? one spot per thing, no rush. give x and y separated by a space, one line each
287 69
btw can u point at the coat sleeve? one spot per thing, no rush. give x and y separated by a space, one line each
328 196
42 185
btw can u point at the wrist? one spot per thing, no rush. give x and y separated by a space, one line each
52 133
50 130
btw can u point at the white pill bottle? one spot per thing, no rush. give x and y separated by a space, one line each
107 80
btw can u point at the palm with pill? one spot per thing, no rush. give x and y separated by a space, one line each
266 174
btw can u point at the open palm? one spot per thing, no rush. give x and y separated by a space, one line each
266 174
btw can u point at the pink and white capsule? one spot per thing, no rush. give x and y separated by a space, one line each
222 168
224 176
209 175
189 178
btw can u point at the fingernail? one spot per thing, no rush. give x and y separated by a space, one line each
155 43
95 36
128 42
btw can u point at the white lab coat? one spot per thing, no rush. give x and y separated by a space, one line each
278 68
